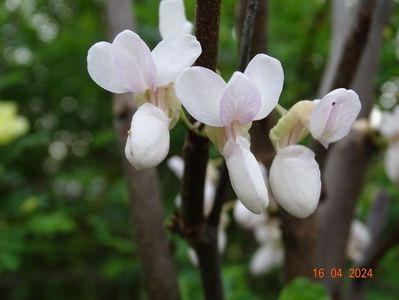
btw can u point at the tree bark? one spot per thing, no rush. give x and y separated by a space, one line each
375 224
191 224
347 162
159 274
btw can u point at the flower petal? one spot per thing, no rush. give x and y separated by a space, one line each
200 91
173 55
246 218
133 63
295 180
389 126
267 73
333 116
172 18
101 70
176 164
240 101
358 241
391 162
148 142
246 177
266 258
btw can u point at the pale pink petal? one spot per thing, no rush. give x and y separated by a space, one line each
148 142
101 70
240 101
173 54
267 73
133 63
332 117
246 177
295 180
172 18
200 91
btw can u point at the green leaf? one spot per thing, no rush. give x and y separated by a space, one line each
304 289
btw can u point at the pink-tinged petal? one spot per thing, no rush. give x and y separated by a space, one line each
267 73
133 63
172 18
240 101
101 70
246 177
148 142
391 162
200 91
295 180
173 54
332 117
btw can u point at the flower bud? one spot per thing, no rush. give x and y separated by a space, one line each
295 180
148 141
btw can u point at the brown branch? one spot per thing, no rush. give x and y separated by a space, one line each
247 33
375 223
160 278
346 166
191 224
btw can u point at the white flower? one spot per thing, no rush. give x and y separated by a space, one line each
270 254
172 18
295 180
231 108
332 117
176 164
391 162
358 242
266 257
128 65
389 126
246 218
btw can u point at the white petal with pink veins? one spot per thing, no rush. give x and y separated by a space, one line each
332 117
267 73
240 101
200 91
132 61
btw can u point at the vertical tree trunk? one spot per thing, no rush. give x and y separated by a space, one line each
159 274
347 162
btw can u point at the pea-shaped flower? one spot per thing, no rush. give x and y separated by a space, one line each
228 110
128 65
332 117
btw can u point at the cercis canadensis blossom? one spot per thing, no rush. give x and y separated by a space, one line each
128 65
389 128
228 110
295 175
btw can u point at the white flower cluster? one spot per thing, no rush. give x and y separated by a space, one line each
163 79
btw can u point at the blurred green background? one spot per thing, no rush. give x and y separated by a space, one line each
65 222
